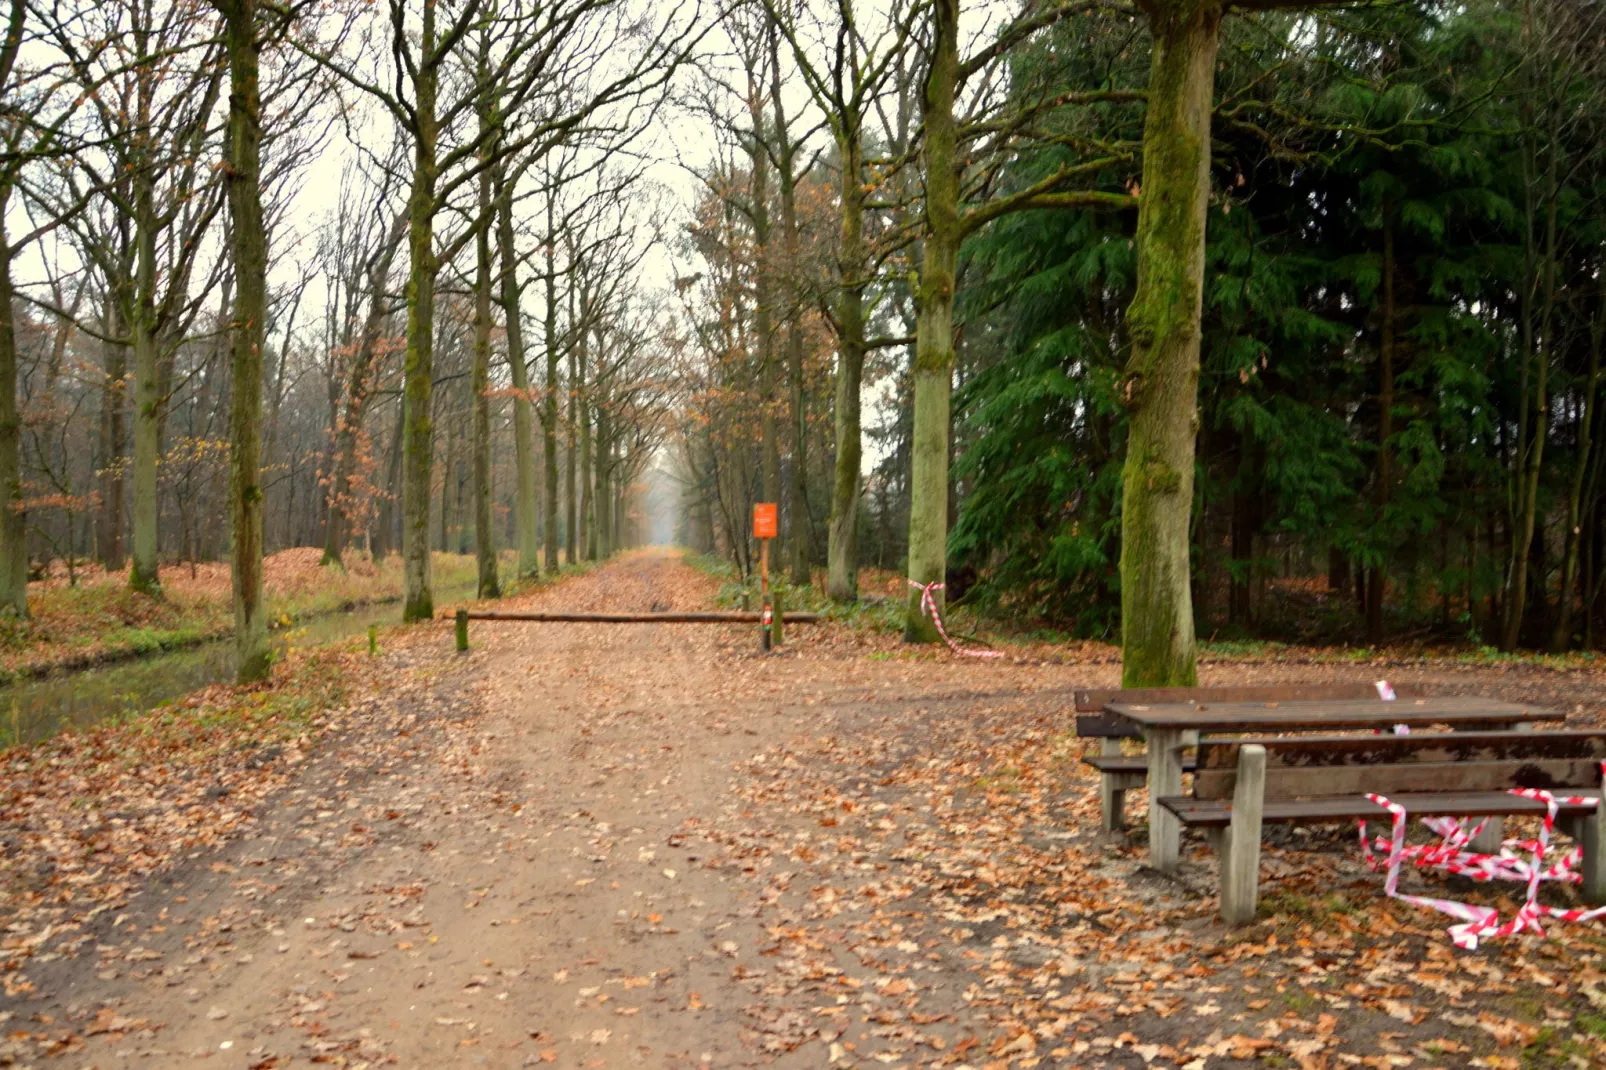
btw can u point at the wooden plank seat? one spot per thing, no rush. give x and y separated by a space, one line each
1128 764
1120 773
1241 784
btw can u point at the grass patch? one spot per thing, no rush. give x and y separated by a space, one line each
1301 1002
1305 908
1006 781
76 627
1552 1048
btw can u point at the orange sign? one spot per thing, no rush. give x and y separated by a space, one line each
766 523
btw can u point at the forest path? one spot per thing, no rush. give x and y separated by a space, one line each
541 904
590 845
519 857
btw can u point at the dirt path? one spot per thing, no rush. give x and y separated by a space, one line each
616 846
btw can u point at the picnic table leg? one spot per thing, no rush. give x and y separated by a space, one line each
1593 839
1112 793
1240 851
1493 835
1165 778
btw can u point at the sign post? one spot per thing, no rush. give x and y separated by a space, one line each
766 525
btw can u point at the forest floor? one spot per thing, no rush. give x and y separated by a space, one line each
93 616
650 846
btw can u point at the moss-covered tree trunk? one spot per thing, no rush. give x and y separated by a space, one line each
419 365
526 516
934 324
1163 321
842 558
13 520
243 179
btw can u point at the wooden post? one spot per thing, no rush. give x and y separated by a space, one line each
462 631
764 609
766 525
1240 852
373 639
1112 791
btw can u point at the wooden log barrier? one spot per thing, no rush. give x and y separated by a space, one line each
729 617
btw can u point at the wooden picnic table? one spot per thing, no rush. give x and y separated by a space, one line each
1172 727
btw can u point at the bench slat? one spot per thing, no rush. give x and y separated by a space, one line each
1127 763
1552 774
1334 715
1217 813
1093 700
1105 726
1307 751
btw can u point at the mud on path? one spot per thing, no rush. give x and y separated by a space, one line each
615 846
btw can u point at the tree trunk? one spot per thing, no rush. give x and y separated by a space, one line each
418 601
114 396
489 585
571 503
1536 353
445 542
842 579
933 371
144 575
1162 378
525 508
1241 538
618 515
243 176
588 498
603 497
549 403
798 526
13 521
1377 581
383 543
763 297
358 385
1561 635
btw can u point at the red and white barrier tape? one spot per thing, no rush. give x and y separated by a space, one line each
928 606
1450 855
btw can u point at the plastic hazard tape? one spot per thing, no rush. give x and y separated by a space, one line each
1517 860
928 606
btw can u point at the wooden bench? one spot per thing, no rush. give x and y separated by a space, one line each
1120 773
1241 784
